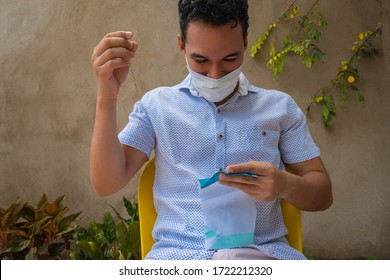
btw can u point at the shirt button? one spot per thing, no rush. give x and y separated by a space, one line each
219 110
220 136
264 133
220 169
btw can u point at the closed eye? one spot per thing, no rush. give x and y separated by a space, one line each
230 59
199 58
200 61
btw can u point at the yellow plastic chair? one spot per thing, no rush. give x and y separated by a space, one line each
148 215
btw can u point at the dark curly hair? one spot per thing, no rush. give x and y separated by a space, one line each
214 12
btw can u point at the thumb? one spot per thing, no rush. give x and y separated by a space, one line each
134 46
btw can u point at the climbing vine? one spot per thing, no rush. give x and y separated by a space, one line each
302 40
346 81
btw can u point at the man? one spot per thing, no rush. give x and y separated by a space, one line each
215 119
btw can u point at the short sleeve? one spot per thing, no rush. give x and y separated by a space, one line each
296 144
139 132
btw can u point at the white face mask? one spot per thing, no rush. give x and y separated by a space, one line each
215 90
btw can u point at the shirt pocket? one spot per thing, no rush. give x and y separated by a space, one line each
263 144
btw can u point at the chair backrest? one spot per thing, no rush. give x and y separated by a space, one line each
148 215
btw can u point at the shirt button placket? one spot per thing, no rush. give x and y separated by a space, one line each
220 141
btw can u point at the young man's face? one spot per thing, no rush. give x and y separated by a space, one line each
213 51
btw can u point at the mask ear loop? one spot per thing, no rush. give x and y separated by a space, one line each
132 73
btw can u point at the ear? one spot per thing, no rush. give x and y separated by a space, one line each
181 44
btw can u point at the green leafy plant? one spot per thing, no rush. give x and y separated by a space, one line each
110 240
302 40
42 232
346 81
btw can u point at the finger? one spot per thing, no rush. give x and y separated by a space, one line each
111 42
242 167
114 53
113 59
134 46
252 167
106 70
247 188
124 34
238 179
254 191
127 35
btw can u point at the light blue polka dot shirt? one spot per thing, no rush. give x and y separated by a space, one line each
193 139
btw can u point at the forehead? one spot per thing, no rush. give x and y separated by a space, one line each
207 39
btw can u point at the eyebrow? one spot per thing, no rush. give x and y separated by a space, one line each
199 56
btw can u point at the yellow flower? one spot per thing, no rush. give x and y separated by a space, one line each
292 15
351 79
318 99
360 36
272 26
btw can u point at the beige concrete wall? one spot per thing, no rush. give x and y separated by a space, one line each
47 99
